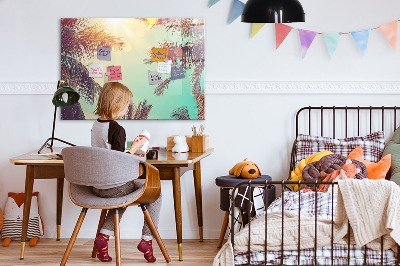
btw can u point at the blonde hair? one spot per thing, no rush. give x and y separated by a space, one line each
113 98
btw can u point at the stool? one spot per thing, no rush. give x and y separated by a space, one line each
226 183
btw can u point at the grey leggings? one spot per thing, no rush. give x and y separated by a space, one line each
154 208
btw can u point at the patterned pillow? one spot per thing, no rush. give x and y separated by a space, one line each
372 145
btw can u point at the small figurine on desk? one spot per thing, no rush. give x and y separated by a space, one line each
180 144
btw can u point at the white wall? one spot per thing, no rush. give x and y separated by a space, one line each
259 126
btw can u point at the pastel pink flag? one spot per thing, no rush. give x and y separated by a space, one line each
389 30
306 39
281 31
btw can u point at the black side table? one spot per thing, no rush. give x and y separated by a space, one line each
226 183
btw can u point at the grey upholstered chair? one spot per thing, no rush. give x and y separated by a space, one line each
85 167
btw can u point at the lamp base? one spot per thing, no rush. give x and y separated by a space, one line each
50 146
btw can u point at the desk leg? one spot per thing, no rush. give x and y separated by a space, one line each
176 182
199 204
27 206
60 190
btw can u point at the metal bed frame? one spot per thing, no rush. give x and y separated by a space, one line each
283 184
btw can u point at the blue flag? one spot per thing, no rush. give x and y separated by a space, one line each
361 38
213 2
332 41
237 9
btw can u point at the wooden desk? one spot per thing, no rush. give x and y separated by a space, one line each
168 164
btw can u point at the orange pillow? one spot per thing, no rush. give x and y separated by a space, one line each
375 170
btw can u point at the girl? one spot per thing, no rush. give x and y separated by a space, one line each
106 133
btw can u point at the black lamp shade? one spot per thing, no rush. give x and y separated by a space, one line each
65 96
273 11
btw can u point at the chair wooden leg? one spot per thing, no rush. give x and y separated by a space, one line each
154 230
223 229
73 237
117 239
101 222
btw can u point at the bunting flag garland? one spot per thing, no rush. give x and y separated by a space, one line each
306 39
256 27
237 8
389 30
361 37
213 2
332 41
281 31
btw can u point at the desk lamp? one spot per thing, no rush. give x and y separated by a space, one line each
273 11
63 97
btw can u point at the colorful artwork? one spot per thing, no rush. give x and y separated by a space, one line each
162 62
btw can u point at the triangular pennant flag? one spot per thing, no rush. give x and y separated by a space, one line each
332 41
390 32
237 9
281 31
306 39
213 2
255 28
361 37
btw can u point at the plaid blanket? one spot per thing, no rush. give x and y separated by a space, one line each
323 205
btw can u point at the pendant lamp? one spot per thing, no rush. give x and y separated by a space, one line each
272 11
63 97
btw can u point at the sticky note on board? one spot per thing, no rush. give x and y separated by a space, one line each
104 53
96 70
177 73
155 77
158 54
115 73
164 67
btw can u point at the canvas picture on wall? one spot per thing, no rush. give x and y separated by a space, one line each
161 60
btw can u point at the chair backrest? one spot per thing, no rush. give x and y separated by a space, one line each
92 166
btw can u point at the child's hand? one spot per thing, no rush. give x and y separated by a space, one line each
143 155
137 144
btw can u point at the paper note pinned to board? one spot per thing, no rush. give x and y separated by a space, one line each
154 77
115 73
96 70
104 53
164 67
177 73
158 54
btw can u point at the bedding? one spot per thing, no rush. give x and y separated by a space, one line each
323 209
372 144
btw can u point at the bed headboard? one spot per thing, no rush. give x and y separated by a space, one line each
344 121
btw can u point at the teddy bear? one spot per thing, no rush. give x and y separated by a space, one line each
180 144
13 215
245 169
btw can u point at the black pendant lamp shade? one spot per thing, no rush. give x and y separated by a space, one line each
273 11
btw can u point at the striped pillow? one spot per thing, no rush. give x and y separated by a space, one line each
372 145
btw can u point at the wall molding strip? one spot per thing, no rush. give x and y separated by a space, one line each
248 87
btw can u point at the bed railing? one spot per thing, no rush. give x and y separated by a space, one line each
265 185
331 119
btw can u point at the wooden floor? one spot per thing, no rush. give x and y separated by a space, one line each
50 252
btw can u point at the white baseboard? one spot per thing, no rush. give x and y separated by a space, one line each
248 87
